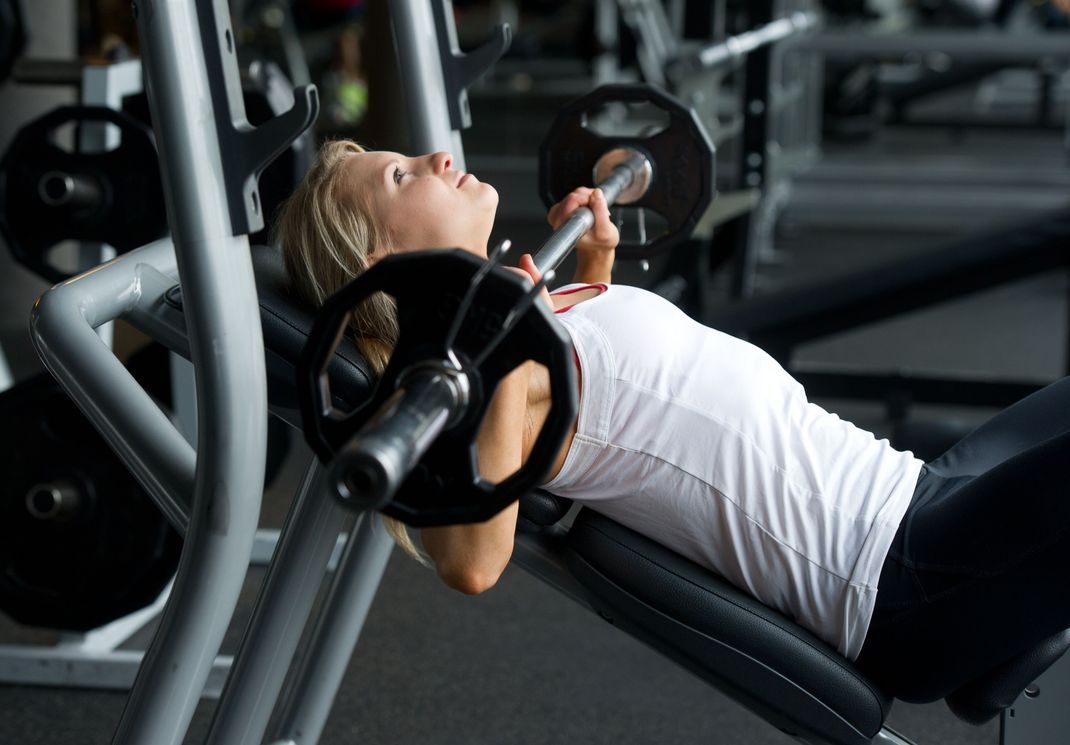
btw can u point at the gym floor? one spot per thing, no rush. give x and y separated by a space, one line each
520 664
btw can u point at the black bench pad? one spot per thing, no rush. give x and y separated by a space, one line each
763 660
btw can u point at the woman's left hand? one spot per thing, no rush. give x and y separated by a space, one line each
596 250
603 236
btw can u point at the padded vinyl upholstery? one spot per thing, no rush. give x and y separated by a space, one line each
286 324
767 662
541 509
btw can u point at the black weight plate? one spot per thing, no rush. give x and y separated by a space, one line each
129 211
446 487
681 156
111 556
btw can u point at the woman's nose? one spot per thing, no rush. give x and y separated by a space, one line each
441 161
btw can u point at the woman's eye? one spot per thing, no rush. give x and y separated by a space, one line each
398 174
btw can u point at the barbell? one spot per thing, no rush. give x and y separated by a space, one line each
409 451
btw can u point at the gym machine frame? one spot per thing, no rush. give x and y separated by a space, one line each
219 308
780 322
772 104
212 496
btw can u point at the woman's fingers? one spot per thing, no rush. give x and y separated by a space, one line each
603 229
527 264
603 233
562 210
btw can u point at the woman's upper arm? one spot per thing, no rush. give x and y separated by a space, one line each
471 557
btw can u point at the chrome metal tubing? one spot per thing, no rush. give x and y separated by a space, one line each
370 468
63 326
423 83
735 49
319 672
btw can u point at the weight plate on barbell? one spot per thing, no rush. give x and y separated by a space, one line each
680 153
446 487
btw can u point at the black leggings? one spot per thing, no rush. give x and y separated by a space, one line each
979 570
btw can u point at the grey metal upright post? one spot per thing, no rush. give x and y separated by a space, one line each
426 95
209 162
436 75
320 671
281 613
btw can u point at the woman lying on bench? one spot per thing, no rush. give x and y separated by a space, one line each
704 443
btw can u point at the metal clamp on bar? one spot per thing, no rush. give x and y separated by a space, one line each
369 470
735 49
461 70
245 150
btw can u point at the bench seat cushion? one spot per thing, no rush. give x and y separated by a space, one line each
760 658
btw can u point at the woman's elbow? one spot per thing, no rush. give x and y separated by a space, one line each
470 580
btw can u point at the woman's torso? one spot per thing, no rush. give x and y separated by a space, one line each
704 443
539 393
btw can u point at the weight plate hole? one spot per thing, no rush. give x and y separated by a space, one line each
639 226
230 42
1032 691
256 204
65 136
627 119
360 482
56 187
43 501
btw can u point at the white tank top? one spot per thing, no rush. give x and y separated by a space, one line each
704 443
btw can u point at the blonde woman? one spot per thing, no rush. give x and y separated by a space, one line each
928 574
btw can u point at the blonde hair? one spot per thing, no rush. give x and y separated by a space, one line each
326 243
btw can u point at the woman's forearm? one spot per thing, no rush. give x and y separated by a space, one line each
470 558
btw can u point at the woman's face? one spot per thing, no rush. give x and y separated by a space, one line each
421 202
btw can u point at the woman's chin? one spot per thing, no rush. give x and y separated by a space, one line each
488 192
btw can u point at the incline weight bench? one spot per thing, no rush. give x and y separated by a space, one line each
756 656
212 495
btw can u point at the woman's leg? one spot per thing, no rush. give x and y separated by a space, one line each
1029 422
980 568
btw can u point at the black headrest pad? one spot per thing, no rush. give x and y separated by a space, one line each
286 323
